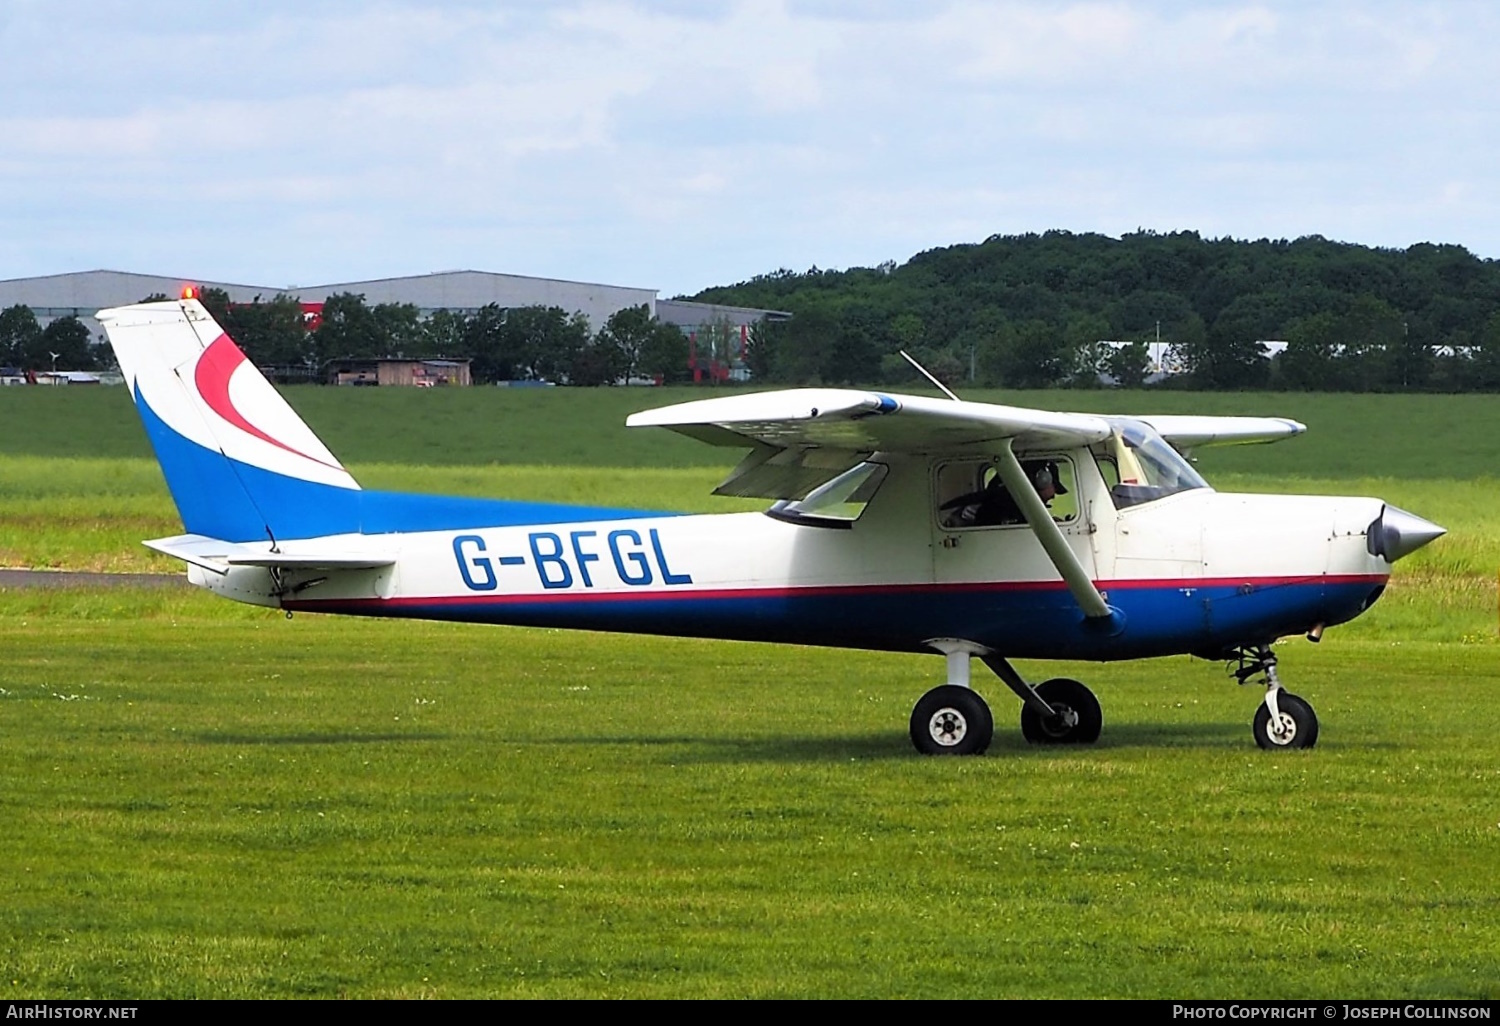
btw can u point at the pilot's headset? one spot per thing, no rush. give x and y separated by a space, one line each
1046 476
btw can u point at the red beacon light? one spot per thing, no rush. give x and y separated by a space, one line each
190 292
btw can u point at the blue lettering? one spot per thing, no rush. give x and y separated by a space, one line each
583 558
667 576
555 557
642 574
468 564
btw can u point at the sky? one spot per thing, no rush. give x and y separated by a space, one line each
680 145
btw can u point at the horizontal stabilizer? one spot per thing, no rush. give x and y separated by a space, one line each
218 556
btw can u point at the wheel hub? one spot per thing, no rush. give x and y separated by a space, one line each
1282 729
1065 720
948 727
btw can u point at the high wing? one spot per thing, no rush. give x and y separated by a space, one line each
803 437
800 438
1190 432
858 421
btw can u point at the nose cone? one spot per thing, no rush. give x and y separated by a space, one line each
1396 533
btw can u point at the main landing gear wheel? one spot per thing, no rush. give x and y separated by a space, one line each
951 720
1296 724
1078 718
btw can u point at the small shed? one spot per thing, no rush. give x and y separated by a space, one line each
397 370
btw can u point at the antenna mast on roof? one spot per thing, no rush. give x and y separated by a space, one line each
940 386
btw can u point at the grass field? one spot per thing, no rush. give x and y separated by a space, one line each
205 799
1408 436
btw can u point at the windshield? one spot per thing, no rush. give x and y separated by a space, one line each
1140 466
839 502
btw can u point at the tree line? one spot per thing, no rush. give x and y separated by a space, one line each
1032 311
63 344
535 343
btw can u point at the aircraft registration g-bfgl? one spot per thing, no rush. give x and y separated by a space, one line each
901 523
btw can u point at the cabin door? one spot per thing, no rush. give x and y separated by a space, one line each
980 537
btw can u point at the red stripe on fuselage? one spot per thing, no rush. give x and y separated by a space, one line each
829 590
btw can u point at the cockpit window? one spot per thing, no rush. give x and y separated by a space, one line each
969 493
1139 466
839 502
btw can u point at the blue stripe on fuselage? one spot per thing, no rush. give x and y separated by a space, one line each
236 502
1021 621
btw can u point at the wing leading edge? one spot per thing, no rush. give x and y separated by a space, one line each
1189 432
855 420
858 421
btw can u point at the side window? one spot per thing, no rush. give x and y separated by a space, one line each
1108 469
969 493
1064 504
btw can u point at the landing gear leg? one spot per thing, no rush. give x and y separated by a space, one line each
1059 711
1283 720
953 719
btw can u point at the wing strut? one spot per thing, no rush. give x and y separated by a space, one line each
1056 546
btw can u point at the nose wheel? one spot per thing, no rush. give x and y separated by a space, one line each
1284 720
1293 725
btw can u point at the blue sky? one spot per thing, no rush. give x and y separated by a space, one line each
678 145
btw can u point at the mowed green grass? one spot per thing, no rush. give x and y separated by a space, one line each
205 799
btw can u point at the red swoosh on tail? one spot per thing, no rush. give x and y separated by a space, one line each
215 367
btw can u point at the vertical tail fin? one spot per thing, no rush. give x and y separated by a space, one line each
241 465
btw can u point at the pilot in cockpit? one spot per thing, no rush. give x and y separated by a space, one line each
993 505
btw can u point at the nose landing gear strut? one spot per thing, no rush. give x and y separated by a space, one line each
1283 720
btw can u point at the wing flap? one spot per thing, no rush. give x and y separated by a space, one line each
767 472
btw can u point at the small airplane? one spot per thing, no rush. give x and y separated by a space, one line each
900 523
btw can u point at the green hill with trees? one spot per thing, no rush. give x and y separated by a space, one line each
1031 311
1015 311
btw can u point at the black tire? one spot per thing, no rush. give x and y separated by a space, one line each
951 720
1300 724
1074 703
